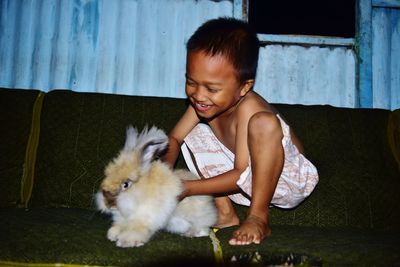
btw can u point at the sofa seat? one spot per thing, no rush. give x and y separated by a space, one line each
77 236
321 246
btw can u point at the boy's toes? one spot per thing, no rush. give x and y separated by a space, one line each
253 230
234 241
236 238
240 239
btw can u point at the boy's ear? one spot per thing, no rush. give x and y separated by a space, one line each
246 87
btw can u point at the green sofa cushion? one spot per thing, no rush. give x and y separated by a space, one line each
394 134
16 116
78 236
317 246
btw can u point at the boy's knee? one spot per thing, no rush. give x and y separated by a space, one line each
264 124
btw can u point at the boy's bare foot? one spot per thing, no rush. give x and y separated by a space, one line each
252 230
227 220
226 213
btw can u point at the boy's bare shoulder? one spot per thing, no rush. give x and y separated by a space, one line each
253 103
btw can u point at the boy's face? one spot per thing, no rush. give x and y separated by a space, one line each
212 84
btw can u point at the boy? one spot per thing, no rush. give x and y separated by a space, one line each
234 138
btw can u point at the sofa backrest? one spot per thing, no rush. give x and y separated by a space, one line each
77 134
359 176
16 111
80 133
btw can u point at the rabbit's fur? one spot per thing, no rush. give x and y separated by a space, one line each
141 192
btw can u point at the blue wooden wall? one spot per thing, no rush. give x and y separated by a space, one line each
137 47
386 54
379 53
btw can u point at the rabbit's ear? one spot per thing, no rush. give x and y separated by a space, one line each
131 138
154 141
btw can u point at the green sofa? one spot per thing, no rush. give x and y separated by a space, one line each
54 147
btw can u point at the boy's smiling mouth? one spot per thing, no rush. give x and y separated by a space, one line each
201 107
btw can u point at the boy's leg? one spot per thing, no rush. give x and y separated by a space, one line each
267 158
226 213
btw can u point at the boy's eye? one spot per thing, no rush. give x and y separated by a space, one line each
190 83
211 90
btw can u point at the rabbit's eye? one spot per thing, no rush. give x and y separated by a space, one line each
125 185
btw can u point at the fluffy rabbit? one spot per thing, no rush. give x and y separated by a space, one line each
141 193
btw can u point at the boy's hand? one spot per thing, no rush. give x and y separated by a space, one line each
184 192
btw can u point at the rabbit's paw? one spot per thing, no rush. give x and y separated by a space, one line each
113 232
199 232
131 239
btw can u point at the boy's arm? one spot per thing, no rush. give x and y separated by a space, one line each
175 138
221 184
172 152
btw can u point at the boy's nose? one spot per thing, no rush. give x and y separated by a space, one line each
200 94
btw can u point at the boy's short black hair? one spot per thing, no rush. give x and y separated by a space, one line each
231 38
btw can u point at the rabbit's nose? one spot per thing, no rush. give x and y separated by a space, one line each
110 198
